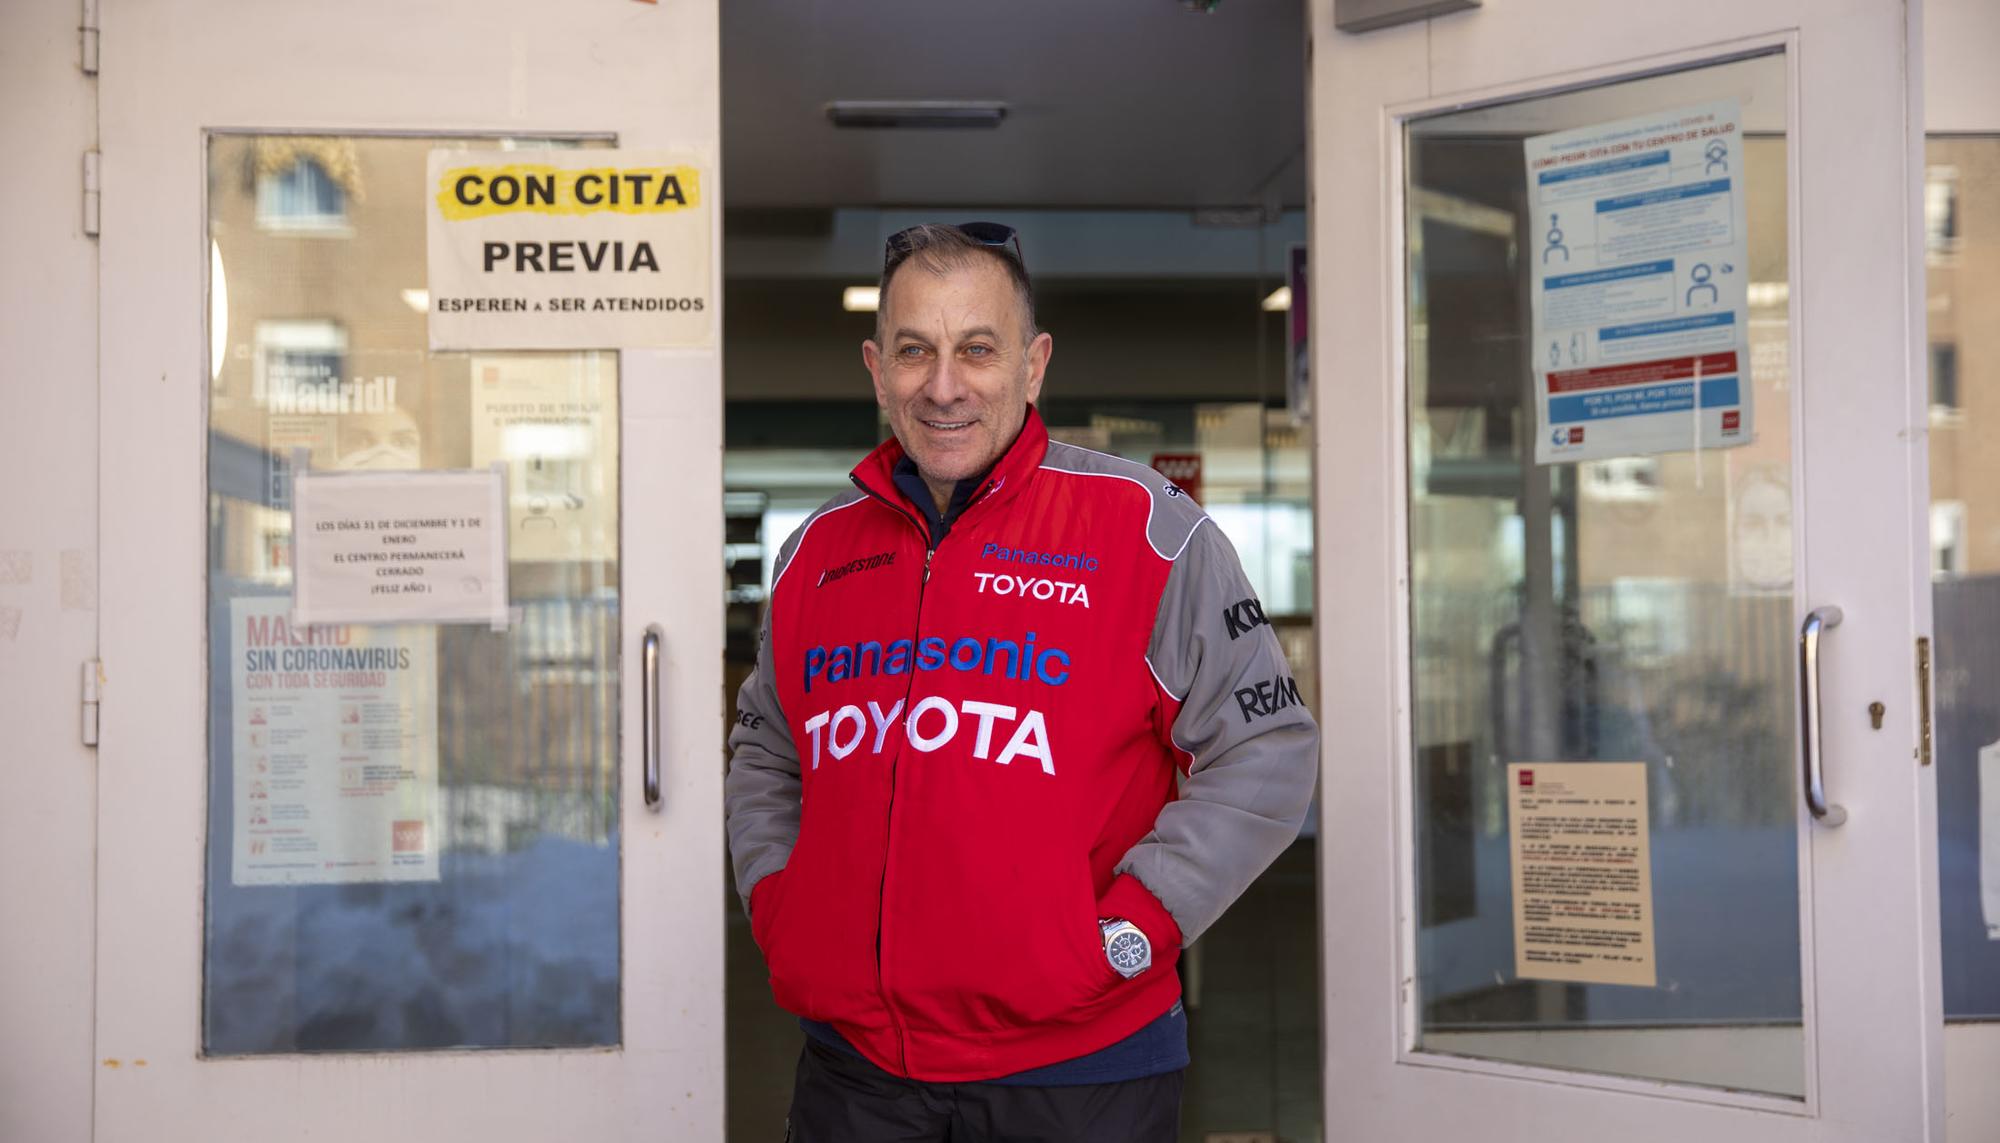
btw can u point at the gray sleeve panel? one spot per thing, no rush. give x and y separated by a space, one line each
761 793
1254 745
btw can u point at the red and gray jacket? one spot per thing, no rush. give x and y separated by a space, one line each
950 763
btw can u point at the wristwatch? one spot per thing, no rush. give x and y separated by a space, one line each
1125 946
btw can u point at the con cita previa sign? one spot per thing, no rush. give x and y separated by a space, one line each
569 249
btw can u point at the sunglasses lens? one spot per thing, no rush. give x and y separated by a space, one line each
994 234
987 233
896 248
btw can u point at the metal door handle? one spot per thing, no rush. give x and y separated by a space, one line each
649 711
1821 620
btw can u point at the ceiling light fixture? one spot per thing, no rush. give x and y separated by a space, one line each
861 299
1278 300
1769 293
1234 217
926 113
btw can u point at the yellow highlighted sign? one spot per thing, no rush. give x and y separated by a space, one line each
570 248
481 191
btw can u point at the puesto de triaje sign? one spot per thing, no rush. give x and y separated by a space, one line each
568 249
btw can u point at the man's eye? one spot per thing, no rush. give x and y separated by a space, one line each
978 350
911 351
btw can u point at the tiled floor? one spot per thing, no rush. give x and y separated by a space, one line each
1254 1034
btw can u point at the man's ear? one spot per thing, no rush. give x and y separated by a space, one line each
871 356
1039 352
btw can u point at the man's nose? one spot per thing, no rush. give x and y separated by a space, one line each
945 384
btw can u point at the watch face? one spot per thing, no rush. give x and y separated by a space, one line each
1129 953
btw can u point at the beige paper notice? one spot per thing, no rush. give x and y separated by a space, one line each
1583 872
553 418
399 547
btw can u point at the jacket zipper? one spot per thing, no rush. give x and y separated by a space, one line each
889 823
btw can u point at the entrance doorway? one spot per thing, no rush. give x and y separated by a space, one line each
1152 161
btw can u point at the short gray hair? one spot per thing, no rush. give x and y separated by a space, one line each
939 249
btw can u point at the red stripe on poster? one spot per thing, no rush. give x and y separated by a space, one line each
1641 373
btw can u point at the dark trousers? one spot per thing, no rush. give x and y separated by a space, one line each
839 1098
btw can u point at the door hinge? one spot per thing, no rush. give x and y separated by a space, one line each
91 198
1924 700
93 682
87 35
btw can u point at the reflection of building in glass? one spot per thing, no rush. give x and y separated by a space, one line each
1632 609
324 353
1962 215
1962 230
320 356
1760 530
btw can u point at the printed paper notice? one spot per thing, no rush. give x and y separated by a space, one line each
1639 286
399 547
1989 837
1583 872
554 420
569 249
334 731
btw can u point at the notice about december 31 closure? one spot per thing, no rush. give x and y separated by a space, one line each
568 249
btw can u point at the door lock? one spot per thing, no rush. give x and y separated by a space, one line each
1875 712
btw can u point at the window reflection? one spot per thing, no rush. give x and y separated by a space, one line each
1630 609
1962 223
503 744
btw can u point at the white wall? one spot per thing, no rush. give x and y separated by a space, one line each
48 576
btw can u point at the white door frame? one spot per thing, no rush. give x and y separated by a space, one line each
649 74
1869 890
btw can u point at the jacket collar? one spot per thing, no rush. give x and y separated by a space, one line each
876 472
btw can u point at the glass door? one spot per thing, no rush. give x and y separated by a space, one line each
1638 834
1631 607
392 879
1961 196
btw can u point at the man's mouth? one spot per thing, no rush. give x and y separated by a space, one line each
946 426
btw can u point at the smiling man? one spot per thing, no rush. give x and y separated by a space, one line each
1009 746
956 358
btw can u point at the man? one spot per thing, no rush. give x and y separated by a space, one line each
1018 732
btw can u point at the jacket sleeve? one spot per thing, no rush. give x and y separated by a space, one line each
761 793
1242 731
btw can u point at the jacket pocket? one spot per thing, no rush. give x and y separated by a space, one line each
1066 949
768 927
764 898
1100 977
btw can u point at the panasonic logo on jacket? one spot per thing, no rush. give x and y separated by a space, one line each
1076 561
1010 659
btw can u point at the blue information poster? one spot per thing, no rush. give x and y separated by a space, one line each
1640 276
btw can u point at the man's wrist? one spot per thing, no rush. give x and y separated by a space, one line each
1128 899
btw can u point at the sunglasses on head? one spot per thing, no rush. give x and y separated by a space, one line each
993 235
